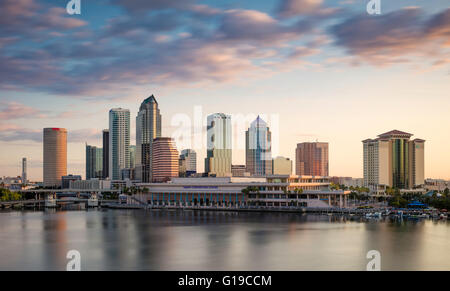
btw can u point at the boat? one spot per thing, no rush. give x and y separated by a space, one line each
93 201
50 201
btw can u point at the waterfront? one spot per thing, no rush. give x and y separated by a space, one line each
203 240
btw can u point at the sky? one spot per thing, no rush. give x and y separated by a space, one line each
321 70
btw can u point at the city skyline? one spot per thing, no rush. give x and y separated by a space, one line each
329 71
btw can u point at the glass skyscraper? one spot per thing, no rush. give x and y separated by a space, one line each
94 162
258 148
105 168
148 127
119 141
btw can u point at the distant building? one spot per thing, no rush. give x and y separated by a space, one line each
24 171
282 166
188 163
94 162
127 174
105 168
348 181
55 156
239 171
219 153
132 157
312 159
437 185
148 127
93 184
119 141
164 159
66 180
258 148
394 160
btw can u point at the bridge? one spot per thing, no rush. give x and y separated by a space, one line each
43 195
38 202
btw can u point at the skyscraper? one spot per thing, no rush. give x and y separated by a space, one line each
258 148
394 160
312 159
55 156
148 127
188 162
94 162
105 168
219 154
164 159
119 141
24 171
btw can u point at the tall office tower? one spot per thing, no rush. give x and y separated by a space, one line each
94 162
24 171
119 141
55 156
164 159
394 160
105 168
148 127
132 156
219 154
258 148
312 159
281 166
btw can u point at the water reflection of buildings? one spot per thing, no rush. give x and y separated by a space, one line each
54 240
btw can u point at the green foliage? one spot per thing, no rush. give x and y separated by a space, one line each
6 195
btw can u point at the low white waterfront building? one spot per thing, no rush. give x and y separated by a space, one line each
276 191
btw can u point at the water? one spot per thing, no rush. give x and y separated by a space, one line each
177 240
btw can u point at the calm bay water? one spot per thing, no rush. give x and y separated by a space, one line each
177 240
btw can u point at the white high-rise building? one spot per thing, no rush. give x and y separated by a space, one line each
119 141
219 153
394 160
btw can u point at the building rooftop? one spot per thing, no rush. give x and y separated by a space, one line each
395 133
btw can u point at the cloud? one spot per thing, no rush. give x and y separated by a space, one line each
394 37
84 135
143 6
15 110
291 8
252 25
13 133
28 18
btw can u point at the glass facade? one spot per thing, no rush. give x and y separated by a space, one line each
400 163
